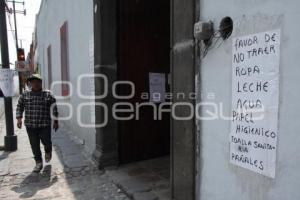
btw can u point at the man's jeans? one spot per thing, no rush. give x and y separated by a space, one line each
35 136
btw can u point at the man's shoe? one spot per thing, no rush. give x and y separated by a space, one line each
48 157
38 167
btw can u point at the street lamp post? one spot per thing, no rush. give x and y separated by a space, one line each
10 140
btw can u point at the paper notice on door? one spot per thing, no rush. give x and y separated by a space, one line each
157 87
7 82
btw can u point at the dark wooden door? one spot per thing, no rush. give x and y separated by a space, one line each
144 40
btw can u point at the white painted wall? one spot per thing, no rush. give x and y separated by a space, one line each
79 15
219 179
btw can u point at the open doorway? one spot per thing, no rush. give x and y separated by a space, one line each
132 38
144 47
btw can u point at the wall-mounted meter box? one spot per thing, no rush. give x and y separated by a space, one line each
203 30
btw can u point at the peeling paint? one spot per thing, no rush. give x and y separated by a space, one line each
256 23
182 46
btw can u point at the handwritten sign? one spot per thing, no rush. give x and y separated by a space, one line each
255 94
7 82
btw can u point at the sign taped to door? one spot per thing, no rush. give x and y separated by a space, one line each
157 87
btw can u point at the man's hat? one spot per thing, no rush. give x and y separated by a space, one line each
34 77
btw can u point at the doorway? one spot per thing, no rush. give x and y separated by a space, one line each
143 48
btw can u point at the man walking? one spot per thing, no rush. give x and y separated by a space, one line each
38 105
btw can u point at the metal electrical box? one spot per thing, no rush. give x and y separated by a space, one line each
203 30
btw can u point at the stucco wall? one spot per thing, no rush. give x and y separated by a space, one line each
219 179
79 15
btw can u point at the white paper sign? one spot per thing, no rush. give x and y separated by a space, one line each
22 66
255 94
7 82
157 87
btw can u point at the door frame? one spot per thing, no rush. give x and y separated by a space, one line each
183 69
184 14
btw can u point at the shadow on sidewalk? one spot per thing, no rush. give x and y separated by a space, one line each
4 155
41 181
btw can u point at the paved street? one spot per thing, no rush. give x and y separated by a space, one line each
69 175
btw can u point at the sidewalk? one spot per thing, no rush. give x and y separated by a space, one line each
69 175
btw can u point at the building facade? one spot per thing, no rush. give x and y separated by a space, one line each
218 178
64 32
128 40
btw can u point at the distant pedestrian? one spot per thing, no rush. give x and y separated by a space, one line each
37 104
